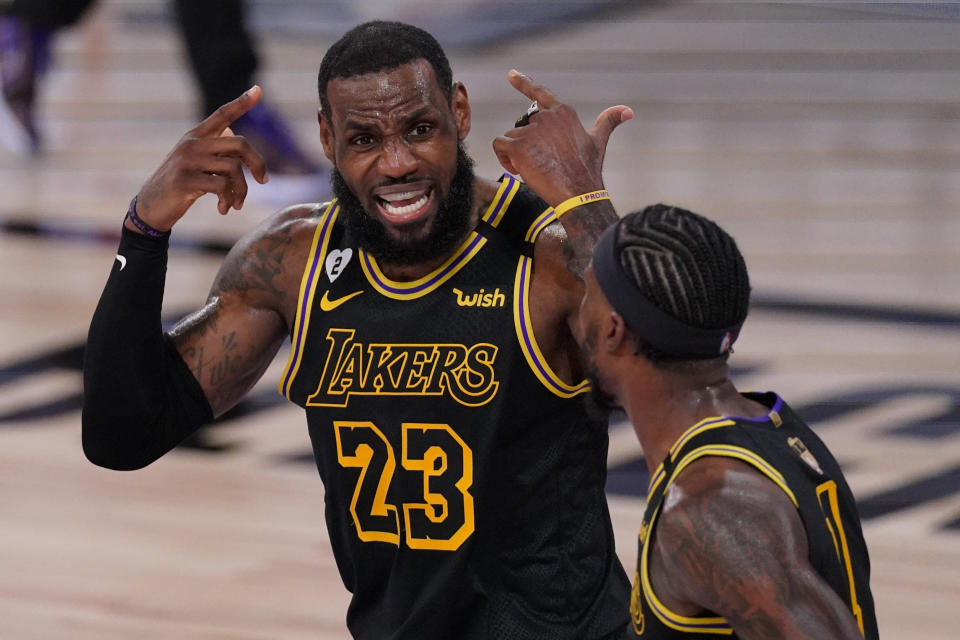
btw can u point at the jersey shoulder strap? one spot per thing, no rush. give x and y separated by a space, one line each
522 219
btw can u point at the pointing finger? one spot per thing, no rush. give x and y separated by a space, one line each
218 121
525 85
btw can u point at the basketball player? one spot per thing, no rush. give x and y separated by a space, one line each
430 314
750 528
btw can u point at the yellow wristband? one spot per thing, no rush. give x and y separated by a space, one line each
576 201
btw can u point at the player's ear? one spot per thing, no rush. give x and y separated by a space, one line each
461 109
616 334
326 136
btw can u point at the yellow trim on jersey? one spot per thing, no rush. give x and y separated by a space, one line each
655 479
732 451
706 424
375 275
528 342
464 253
493 215
714 625
539 224
522 320
308 287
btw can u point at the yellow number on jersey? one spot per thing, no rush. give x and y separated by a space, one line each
827 494
445 463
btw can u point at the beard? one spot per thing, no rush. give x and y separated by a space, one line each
599 402
450 225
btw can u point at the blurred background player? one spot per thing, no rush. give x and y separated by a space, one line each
223 60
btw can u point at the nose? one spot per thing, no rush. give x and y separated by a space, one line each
396 159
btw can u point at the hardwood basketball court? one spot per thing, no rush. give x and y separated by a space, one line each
824 136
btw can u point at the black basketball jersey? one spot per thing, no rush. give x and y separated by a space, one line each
464 481
786 450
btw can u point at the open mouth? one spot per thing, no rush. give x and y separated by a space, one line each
403 207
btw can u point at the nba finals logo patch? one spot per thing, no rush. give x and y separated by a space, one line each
801 450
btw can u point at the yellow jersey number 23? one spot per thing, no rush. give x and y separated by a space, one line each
444 519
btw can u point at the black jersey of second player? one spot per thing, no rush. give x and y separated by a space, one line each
786 450
464 482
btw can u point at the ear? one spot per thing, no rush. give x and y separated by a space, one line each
461 110
616 334
326 136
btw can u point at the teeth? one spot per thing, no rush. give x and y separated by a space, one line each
410 208
393 197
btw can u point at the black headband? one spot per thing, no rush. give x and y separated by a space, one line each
648 321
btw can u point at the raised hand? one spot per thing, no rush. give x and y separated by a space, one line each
208 159
554 154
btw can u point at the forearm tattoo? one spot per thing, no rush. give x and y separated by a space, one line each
224 366
230 341
583 226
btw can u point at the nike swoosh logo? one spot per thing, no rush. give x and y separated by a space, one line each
122 260
329 305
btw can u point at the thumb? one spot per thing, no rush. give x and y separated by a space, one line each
610 119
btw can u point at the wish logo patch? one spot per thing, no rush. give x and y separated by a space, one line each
481 298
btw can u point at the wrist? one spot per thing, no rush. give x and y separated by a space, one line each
579 200
135 223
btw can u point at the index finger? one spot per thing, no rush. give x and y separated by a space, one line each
525 85
219 120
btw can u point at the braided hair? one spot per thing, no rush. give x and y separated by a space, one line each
687 266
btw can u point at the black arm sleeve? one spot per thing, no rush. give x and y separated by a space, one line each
139 398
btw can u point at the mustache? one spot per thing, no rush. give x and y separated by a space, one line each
391 182
448 228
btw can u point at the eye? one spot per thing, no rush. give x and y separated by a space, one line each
422 129
362 140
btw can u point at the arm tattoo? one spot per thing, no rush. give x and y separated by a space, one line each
259 268
737 548
149 194
583 226
230 342
698 546
224 366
